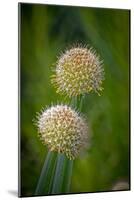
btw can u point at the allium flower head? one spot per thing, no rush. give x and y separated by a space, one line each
63 130
78 71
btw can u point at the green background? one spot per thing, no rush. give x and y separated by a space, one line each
46 31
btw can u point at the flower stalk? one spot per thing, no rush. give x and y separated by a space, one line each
59 174
55 176
44 184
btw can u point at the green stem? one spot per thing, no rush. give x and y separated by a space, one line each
67 176
59 174
73 102
81 103
44 182
52 178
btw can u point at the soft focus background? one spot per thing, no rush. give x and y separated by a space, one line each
45 32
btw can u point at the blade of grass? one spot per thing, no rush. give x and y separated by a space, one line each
44 182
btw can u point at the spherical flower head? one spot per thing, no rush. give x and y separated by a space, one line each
63 130
78 71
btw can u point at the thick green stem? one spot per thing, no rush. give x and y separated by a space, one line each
67 176
81 103
44 182
59 174
73 102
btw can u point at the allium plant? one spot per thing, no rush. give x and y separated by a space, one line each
61 128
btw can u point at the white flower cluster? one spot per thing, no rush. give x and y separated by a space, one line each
78 71
63 130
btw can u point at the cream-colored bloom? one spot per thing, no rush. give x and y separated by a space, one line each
63 130
78 71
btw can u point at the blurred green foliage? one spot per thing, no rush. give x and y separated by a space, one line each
45 32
